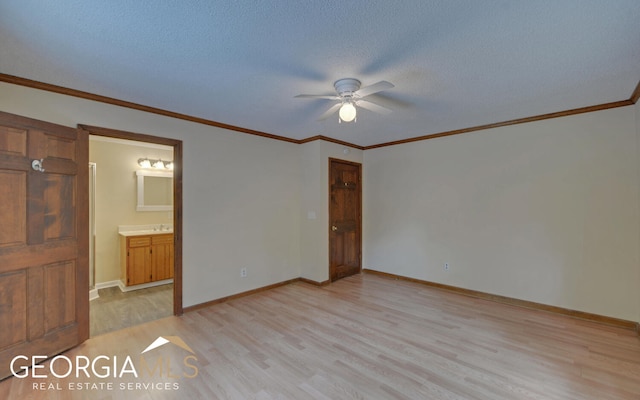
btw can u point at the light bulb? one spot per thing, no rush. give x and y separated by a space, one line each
144 163
169 165
158 165
347 112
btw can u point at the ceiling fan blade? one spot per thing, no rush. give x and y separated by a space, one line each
375 88
367 105
330 111
317 96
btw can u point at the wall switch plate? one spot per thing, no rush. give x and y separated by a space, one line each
243 272
446 266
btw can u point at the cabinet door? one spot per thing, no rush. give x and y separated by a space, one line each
162 257
138 261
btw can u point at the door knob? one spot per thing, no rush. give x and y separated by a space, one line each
37 165
334 228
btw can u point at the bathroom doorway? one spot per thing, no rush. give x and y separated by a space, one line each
119 303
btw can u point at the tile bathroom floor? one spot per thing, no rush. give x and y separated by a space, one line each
115 310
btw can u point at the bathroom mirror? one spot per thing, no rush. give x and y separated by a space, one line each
155 190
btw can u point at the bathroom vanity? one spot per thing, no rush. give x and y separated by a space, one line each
146 257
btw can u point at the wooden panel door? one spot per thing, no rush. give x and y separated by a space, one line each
44 273
345 204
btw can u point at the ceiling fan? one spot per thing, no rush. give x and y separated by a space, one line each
349 95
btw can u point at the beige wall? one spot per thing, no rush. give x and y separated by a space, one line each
116 185
240 200
545 211
314 232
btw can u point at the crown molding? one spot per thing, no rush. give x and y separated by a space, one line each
135 106
109 100
332 140
636 94
518 121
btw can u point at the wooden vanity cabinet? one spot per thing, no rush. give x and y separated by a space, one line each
147 258
161 257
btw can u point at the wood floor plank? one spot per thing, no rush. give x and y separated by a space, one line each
366 337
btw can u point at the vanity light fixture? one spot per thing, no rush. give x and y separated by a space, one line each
157 164
144 163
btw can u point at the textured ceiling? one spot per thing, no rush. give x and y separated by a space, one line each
455 64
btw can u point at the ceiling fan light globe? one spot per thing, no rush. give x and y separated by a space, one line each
347 112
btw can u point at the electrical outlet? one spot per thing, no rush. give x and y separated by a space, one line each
446 266
243 272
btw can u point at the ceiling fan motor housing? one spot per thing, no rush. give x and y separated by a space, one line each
346 87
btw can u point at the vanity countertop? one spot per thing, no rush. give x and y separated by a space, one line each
145 233
145 230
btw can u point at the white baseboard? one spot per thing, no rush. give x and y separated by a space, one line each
93 293
125 288
108 284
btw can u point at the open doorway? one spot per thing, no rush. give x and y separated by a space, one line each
151 289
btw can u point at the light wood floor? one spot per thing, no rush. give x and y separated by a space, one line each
370 337
115 310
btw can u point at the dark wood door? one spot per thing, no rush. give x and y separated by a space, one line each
44 273
345 194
